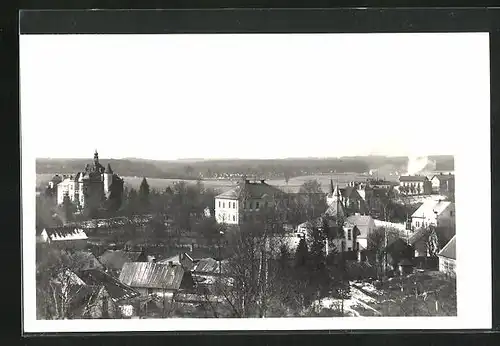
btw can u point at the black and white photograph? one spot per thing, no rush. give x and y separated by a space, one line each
255 181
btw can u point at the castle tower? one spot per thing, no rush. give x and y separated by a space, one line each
108 180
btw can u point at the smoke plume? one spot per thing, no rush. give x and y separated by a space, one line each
420 164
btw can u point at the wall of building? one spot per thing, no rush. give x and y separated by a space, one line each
447 266
227 211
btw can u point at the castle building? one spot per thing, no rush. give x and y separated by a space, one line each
90 186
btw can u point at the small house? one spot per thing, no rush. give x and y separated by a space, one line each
443 183
161 279
365 225
434 213
447 258
64 237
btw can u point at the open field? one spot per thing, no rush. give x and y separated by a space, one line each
225 184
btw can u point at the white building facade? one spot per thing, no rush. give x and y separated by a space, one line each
434 213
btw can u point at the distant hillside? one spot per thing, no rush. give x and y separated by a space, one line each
268 168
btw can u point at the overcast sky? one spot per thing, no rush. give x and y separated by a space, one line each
250 96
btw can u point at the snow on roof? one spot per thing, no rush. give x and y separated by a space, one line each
449 250
429 208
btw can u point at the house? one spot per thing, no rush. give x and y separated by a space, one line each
396 251
246 202
114 260
443 183
414 185
206 270
365 225
110 297
352 197
447 258
183 259
345 241
156 278
436 213
65 237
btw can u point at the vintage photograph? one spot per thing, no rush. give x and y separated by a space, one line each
243 176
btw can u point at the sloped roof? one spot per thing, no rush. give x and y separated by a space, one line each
428 208
116 289
252 190
176 258
115 259
350 192
449 250
444 177
209 265
413 178
335 209
152 275
363 222
419 234
65 233
82 260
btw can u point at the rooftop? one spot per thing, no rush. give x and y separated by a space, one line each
429 208
152 275
115 259
449 250
413 178
251 190
65 233
116 289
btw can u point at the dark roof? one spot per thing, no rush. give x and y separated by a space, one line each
418 235
413 178
108 169
350 192
83 260
248 189
116 289
209 265
449 250
336 209
405 262
115 259
152 275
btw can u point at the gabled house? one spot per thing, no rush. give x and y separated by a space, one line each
156 278
247 202
443 183
434 213
64 237
448 258
414 185
350 197
206 270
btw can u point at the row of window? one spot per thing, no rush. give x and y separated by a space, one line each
232 205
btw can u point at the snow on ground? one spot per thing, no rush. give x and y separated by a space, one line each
358 300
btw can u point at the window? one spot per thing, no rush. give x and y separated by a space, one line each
219 204
234 218
357 245
234 205
349 249
223 204
417 223
349 234
256 205
451 213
